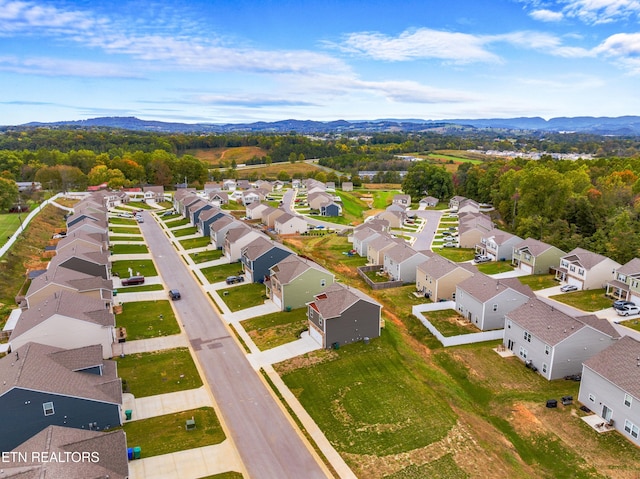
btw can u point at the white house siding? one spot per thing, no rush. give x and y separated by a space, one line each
572 351
597 392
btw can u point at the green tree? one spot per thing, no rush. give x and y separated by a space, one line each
8 193
283 176
292 157
423 178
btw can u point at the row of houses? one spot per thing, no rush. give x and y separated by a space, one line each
58 389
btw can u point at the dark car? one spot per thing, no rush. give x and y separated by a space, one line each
234 279
620 304
174 294
133 280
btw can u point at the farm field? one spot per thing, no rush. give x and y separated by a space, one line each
241 154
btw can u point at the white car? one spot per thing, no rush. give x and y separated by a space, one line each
628 311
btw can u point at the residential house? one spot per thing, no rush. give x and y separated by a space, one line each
179 195
242 184
93 241
269 217
498 245
374 223
468 206
264 185
331 209
206 218
535 257
318 199
219 198
83 259
454 202
553 342
238 238
394 218
88 225
484 301
260 255
42 385
377 247
361 239
196 209
66 320
472 227
99 217
254 210
153 193
585 269
251 196
191 206
401 200
330 185
218 229
184 202
295 281
438 277
625 284
212 187
429 201
108 455
400 262
288 224
229 185
610 386
347 186
296 183
343 315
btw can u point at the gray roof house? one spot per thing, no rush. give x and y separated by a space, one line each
455 201
362 238
42 385
206 218
377 247
343 315
108 455
67 320
179 195
535 257
472 227
254 210
288 224
553 342
402 200
260 255
218 198
625 284
585 269
196 209
438 277
394 218
84 259
484 301
400 262
429 201
94 241
498 245
88 225
610 386
238 238
251 196
331 209
295 281
219 228
153 193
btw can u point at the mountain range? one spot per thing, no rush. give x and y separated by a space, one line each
619 126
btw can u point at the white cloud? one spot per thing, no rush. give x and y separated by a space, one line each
623 48
545 15
57 67
601 11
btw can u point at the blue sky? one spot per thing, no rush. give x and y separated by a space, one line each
222 61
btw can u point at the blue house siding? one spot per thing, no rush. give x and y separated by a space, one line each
196 214
260 266
22 415
206 225
330 210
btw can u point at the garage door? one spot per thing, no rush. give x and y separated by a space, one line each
316 335
276 300
526 268
575 282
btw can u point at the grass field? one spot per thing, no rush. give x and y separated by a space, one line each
113 239
129 249
215 274
143 267
138 289
166 434
204 256
243 297
9 224
148 319
191 230
125 229
179 222
123 221
495 267
276 329
196 242
160 372
457 255
448 322
539 281
241 154
590 300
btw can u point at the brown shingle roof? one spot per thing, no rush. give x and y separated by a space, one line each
401 252
260 246
336 298
630 268
619 364
69 278
483 287
584 258
293 266
534 246
437 267
205 215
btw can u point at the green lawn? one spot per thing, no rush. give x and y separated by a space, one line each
170 218
159 372
148 319
243 297
447 322
339 220
539 281
443 468
125 229
495 267
196 242
204 256
144 267
123 221
141 288
9 223
632 324
457 255
166 434
181 222
215 274
276 329
375 277
185 231
352 206
590 300
129 249
382 198
140 205
115 239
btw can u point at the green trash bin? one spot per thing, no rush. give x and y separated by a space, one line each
127 414
136 452
336 345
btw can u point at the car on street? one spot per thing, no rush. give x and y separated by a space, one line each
619 304
569 287
174 294
628 311
234 279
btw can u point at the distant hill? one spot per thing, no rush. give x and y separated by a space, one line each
624 125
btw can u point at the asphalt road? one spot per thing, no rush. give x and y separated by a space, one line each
425 237
268 444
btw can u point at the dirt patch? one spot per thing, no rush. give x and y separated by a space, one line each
305 361
524 421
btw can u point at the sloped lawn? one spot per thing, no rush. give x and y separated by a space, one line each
276 329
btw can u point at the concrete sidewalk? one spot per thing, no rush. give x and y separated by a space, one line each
191 464
304 345
161 404
141 296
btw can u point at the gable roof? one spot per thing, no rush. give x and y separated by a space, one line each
65 303
483 287
293 266
584 258
236 233
336 299
437 266
56 370
57 441
210 213
534 246
284 218
71 279
221 222
383 241
374 223
630 268
619 364
551 325
260 246
499 237
401 252
365 233
83 252
153 189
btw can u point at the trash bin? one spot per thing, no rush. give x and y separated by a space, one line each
136 452
551 403
127 414
336 345
288 309
130 453
115 292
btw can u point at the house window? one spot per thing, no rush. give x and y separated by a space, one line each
527 336
581 272
323 282
320 321
592 398
627 400
508 323
48 409
523 353
547 350
495 307
544 367
631 428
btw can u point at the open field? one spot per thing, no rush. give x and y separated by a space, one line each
9 223
276 329
204 256
495 267
129 249
539 281
243 297
148 319
215 274
241 154
143 267
589 300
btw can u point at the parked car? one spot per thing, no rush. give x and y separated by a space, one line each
174 294
569 287
234 279
139 219
628 311
133 280
482 259
450 245
125 215
619 304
